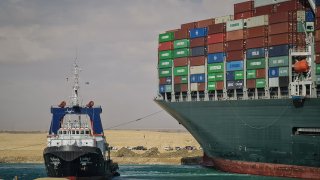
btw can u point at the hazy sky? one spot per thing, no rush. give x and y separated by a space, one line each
117 50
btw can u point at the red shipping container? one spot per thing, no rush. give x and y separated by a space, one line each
263 10
235 55
177 80
196 42
165 46
217 28
292 5
300 39
215 48
257 42
188 26
184 87
173 30
317 24
235 45
162 81
285 27
282 17
260 31
197 61
216 38
243 15
260 73
235 35
318 12
204 23
317 34
219 85
201 86
243 7
180 62
251 83
317 60
280 39
317 47
181 34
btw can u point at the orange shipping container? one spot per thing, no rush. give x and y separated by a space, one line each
251 83
180 62
256 42
260 73
219 85
197 61
196 42
235 55
243 7
256 32
235 35
188 26
243 15
235 45
284 27
215 48
216 38
280 39
204 23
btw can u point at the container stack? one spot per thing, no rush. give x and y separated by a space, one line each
245 51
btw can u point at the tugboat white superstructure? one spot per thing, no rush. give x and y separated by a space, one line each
76 145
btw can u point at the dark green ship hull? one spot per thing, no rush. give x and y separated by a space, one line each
261 135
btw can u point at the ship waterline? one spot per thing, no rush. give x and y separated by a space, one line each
262 131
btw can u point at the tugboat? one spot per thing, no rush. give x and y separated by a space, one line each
76 145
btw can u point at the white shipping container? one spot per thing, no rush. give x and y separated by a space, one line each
235 25
223 19
257 21
259 3
301 15
274 82
197 69
194 86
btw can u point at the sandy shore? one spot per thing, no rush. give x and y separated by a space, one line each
28 147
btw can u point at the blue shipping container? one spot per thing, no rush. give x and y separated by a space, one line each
201 78
273 72
281 50
193 78
162 89
230 75
198 51
255 53
198 32
309 16
234 65
215 58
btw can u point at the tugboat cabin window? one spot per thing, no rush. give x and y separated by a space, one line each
64 132
77 132
82 131
87 132
73 132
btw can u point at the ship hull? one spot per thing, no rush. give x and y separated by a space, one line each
76 162
253 136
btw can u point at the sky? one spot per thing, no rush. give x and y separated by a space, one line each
115 43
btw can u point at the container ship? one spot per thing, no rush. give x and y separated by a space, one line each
76 145
247 87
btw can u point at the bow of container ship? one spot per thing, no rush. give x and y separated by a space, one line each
247 87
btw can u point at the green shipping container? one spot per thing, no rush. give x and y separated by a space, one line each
165 72
211 86
182 43
169 36
168 88
251 74
279 61
283 71
184 52
318 69
212 77
238 75
219 76
256 63
184 79
167 63
165 54
180 71
215 67
260 83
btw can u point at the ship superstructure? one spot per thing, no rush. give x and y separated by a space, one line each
76 145
247 87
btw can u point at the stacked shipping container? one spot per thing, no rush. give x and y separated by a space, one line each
248 50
